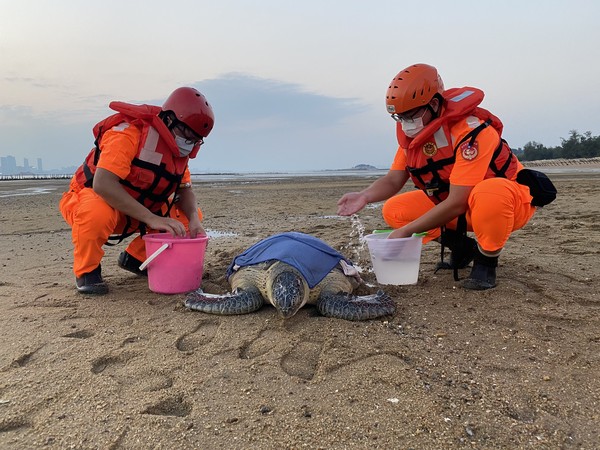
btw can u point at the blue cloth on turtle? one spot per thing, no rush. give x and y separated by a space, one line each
313 258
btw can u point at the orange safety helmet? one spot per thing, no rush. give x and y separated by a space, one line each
191 108
413 87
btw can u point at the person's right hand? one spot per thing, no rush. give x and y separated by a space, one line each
351 203
167 224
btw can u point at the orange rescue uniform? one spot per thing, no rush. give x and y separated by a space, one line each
497 205
93 220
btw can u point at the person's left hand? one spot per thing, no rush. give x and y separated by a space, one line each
399 233
196 227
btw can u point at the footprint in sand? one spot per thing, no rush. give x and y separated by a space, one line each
302 361
153 383
202 335
262 344
13 423
173 406
131 340
81 334
109 363
24 359
147 381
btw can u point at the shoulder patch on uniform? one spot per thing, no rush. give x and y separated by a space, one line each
468 152
122 126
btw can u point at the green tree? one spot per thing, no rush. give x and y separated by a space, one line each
580 145
533 151
575 146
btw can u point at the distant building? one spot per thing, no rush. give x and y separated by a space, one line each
8 165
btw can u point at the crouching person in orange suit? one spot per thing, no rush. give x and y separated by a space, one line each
136 180
468 177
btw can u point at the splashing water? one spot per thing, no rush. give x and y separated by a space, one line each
358 231
357 243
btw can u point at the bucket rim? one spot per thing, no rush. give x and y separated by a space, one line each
383 236
168 237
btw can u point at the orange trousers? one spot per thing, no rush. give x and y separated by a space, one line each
92 221
496 208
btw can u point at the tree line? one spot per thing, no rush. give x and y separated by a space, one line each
576 146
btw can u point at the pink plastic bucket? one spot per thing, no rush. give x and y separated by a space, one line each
174 264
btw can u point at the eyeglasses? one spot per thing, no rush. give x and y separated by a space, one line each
188 134
411 115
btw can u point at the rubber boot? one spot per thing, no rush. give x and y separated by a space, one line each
463 249
92 282
128 262
483 273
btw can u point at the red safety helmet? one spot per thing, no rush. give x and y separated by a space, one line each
191 108
412 88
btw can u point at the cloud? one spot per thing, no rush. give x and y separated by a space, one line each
260 125
240 98
264 125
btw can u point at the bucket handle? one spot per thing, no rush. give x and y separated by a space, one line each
154 255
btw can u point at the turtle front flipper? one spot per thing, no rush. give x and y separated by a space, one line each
240 301
352 307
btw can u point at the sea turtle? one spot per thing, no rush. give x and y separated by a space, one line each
290 270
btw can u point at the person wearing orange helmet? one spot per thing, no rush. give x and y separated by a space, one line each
453 151
136 180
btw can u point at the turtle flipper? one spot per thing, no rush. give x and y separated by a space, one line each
240 301
351 307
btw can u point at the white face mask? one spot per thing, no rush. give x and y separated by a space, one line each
412 127
185 146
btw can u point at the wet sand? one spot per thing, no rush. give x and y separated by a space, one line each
512 367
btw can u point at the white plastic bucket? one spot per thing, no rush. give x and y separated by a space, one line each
395 261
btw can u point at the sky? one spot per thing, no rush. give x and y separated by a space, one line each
294 85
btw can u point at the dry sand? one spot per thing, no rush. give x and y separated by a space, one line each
512 367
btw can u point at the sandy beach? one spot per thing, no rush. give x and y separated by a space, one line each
513 367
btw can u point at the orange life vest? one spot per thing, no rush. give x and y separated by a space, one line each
430 155
157 169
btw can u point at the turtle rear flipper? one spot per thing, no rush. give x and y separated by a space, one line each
352 307
240 301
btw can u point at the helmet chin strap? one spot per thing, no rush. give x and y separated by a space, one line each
435 114
168 119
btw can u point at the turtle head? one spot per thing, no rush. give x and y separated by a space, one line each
287 292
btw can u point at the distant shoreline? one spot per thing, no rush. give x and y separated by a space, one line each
560 165
562 162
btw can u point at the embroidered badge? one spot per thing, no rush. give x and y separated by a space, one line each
430 149
469 152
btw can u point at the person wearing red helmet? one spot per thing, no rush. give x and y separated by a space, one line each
453 151
136 180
